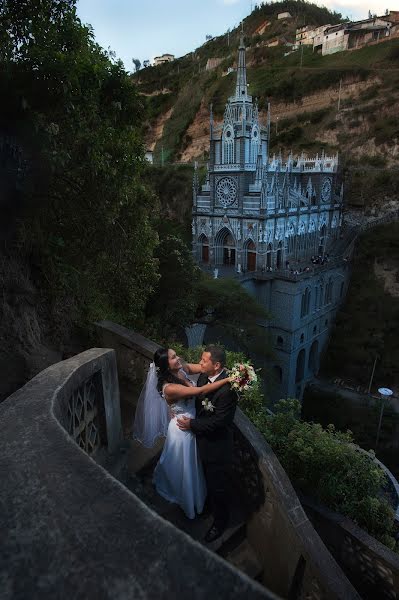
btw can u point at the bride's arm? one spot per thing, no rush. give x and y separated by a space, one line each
191 368
175 391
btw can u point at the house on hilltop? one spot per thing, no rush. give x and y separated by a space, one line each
306 35
348 36
165 58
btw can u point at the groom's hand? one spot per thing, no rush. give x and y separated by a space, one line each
184 423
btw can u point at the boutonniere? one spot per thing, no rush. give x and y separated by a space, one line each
207 404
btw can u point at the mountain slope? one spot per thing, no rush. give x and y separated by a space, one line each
303 89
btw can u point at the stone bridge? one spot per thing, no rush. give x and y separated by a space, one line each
70 525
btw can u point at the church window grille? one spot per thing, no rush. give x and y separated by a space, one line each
85 416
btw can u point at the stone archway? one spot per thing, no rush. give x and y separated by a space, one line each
313 363
225 246
300 366
204 248
250 251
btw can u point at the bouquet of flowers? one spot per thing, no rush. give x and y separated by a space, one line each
243 376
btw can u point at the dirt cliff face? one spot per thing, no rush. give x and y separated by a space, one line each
196 144
155 130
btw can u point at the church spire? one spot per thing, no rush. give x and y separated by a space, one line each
241 85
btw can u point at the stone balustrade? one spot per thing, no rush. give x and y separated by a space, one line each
372 567
68 529
295 562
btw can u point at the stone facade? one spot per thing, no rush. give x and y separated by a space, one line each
263 218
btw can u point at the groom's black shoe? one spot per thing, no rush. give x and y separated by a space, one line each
214 533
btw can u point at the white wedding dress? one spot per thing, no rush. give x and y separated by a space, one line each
178 476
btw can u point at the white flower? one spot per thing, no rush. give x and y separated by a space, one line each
207 404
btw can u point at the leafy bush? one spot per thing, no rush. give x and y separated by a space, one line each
325 464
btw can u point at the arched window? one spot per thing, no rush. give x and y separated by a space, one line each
300 366
279 257
314 358
305 302
329 290
280 340
228 146
254 144
302 339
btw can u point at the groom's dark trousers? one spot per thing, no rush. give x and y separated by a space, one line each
214 435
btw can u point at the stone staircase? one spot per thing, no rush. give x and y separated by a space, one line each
134 467
233 545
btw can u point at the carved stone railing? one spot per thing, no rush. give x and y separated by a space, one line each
371 566
295 562
68 529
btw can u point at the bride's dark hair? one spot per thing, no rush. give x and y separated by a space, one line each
161 360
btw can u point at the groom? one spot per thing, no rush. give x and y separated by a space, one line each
213 428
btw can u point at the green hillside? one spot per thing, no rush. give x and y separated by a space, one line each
364 131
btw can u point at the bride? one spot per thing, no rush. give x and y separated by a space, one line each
168 394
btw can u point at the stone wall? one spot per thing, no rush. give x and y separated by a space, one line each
296 564
68 528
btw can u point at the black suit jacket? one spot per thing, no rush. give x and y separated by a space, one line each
214 429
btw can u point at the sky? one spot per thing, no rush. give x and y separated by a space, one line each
146 28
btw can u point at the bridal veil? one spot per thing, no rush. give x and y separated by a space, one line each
152 414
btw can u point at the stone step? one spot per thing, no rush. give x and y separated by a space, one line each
243 558
232 536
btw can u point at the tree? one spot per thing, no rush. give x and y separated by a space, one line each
172 304
137 64
225 303
88 219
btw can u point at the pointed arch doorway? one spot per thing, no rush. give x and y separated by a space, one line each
250 249
225 248
204 252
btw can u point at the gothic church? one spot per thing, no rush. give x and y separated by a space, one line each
276 225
